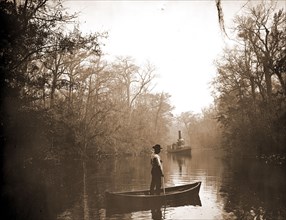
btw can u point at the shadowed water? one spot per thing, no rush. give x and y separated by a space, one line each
231 189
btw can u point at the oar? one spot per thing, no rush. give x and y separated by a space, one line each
164 185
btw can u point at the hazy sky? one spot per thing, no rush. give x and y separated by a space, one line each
181 38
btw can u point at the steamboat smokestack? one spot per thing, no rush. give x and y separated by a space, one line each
180 135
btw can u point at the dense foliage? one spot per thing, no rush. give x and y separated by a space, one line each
250 86
60 97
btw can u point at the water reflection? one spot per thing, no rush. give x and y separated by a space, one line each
180 159
156 213
254 189
230 188
160 212
189 199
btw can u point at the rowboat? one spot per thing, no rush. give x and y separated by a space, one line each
142 200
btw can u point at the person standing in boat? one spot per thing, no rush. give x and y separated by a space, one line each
156 171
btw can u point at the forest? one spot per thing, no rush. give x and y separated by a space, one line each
250 86
60 97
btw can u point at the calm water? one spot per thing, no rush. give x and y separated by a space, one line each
231 189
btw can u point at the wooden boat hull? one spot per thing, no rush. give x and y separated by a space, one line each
141 200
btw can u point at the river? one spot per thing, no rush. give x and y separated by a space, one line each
231 188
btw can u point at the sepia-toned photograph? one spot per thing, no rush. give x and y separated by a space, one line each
143 109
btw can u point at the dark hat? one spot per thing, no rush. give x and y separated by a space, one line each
157 147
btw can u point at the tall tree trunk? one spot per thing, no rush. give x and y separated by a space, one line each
282 83
252 88
268 83
53 89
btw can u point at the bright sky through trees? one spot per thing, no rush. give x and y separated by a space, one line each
181 38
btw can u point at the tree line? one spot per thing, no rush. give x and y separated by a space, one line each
250 86
61 97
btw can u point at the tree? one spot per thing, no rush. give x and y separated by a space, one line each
34 59
34 21
264 34
152 118
132 80
247 102
189 120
